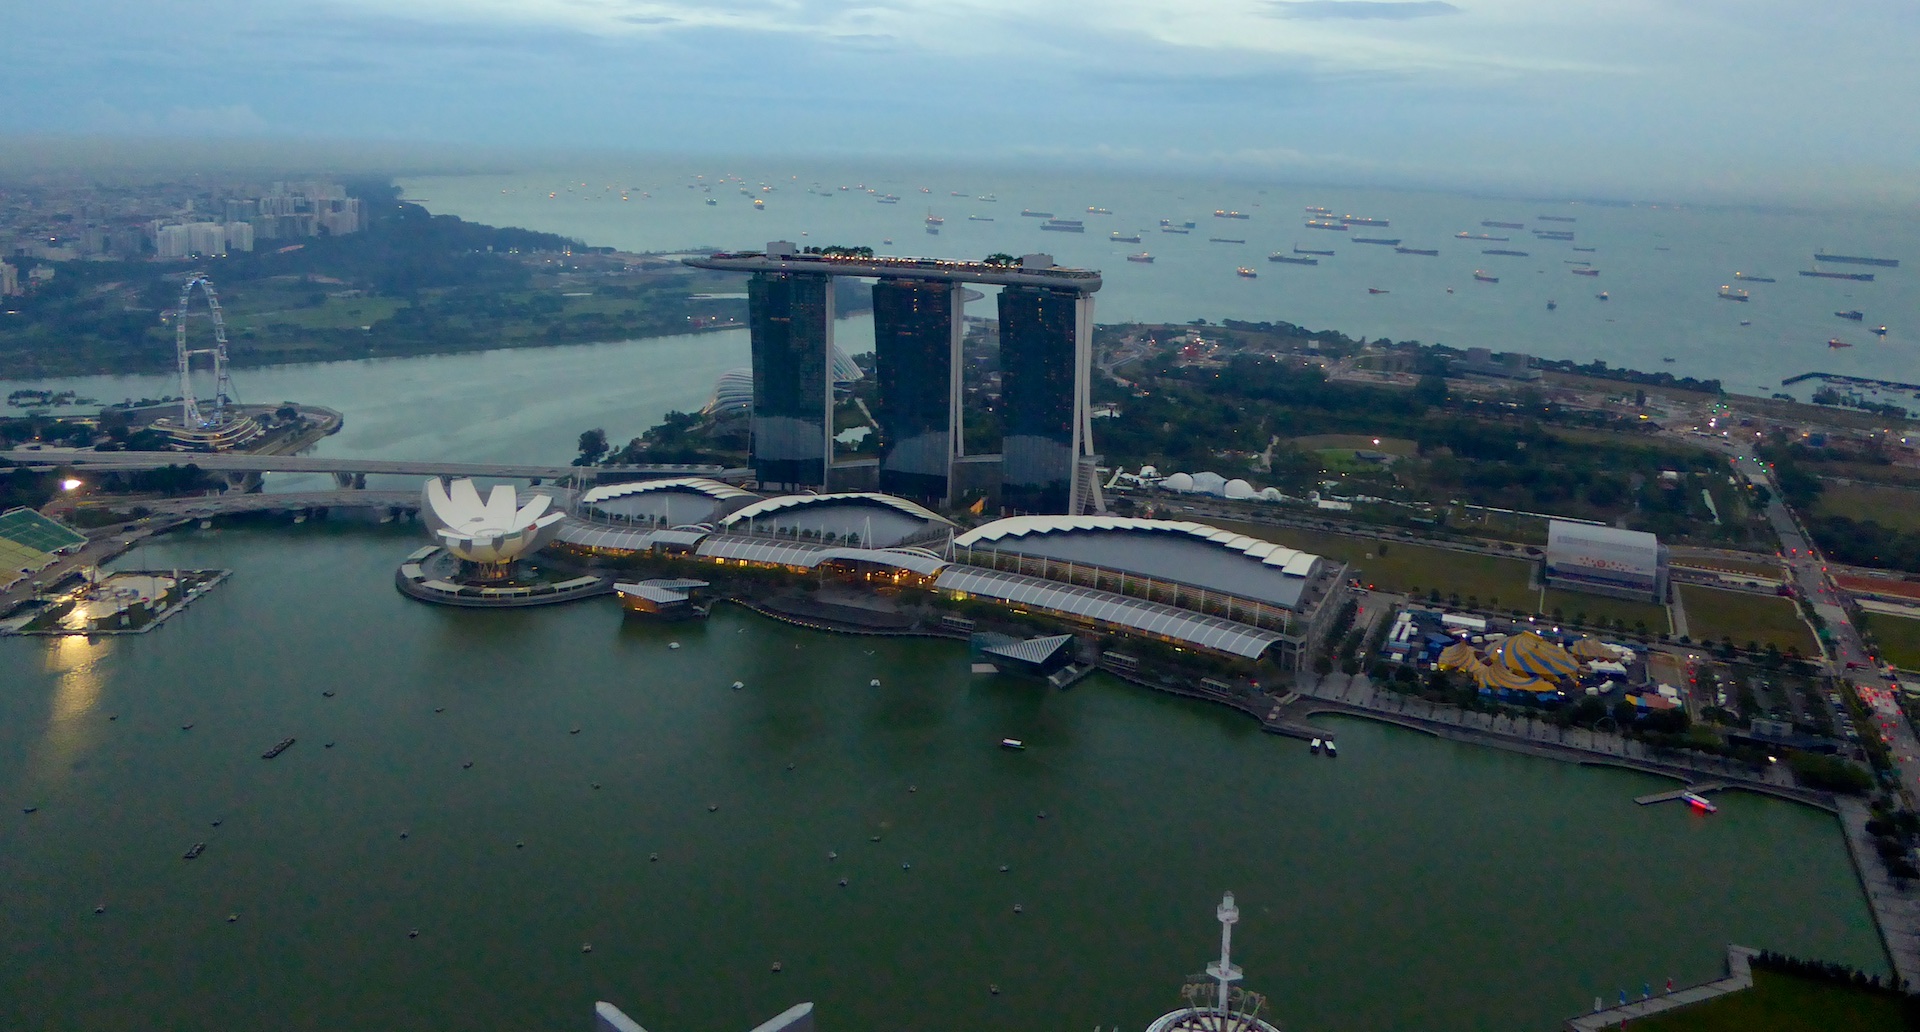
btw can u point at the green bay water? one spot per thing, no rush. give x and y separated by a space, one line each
1409 884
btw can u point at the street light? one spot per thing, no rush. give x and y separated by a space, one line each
70 484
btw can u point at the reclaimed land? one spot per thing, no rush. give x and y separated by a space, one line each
1714 614
1892 507
1899 639
1787 1003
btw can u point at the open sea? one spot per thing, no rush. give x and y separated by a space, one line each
1662 265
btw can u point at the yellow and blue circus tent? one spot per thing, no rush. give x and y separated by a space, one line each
1496 677
1460 656
1591 649
1528 653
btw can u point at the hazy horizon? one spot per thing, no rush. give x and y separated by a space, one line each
1761 101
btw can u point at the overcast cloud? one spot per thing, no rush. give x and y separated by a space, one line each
1707 98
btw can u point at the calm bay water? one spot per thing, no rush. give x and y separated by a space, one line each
1409 884
1662 265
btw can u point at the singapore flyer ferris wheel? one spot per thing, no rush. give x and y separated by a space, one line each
193 416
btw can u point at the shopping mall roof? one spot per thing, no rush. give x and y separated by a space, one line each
1209 632
699 485
623 539
1176 551
772 506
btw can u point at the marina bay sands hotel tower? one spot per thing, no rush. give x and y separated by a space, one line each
1046 361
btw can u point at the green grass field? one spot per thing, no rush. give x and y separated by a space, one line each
1600 607
1890 507
1785 1003
1899 639
1361 442
1713 614
1400 566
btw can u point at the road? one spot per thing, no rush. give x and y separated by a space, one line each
230 462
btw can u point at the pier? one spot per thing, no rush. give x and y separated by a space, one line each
1679 793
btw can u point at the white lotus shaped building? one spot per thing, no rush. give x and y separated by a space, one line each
494 532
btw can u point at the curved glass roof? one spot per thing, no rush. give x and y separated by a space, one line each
1209 632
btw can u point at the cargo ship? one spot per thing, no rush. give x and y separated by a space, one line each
1836 342
1097 211
1224 240
1031 214
1589 250
1856 315
935 220
1297 249
1395 242
1291 260
1552 234
1361 220
1464 235
1313 210
1064 226
1727 293
1491 224
1879 331
979 218
1854 259
1484 278
1337 227
1182 225
1175 229
1223 214
1858 277
1375 290
1510 254
1751 278
1246 273
1556 218
1427 251
1124 238
1143 258
1585 272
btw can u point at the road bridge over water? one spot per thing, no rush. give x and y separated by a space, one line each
231 462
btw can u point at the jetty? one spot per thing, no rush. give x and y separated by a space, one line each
1679 793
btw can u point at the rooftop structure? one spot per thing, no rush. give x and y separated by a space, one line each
1221 1006
1033 270
669 503
1606 561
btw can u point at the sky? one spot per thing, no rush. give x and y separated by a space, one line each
1763 100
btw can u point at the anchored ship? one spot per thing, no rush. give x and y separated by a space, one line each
1858 277
1427 251
1491 224
1854 259
1291 260
1395 242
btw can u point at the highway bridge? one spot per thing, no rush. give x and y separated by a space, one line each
232 462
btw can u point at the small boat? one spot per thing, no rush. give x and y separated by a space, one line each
1746 322
1838 343
1012 743
1856 315
1332 750
1604 296
1727 293
194 852
875 683
1879 331
1484 278
1589 250
737 685
1551 305
712 203
1143 258
673 644
1667 359
1699 802
1315 747
1246 273
1375 290
759 205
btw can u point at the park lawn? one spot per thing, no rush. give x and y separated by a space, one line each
1899 639
1357 442
1602 607
1713 614
1891 507
336 313
1785 1003
1756 566
1405 566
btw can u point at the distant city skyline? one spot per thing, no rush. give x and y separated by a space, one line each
1762 100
